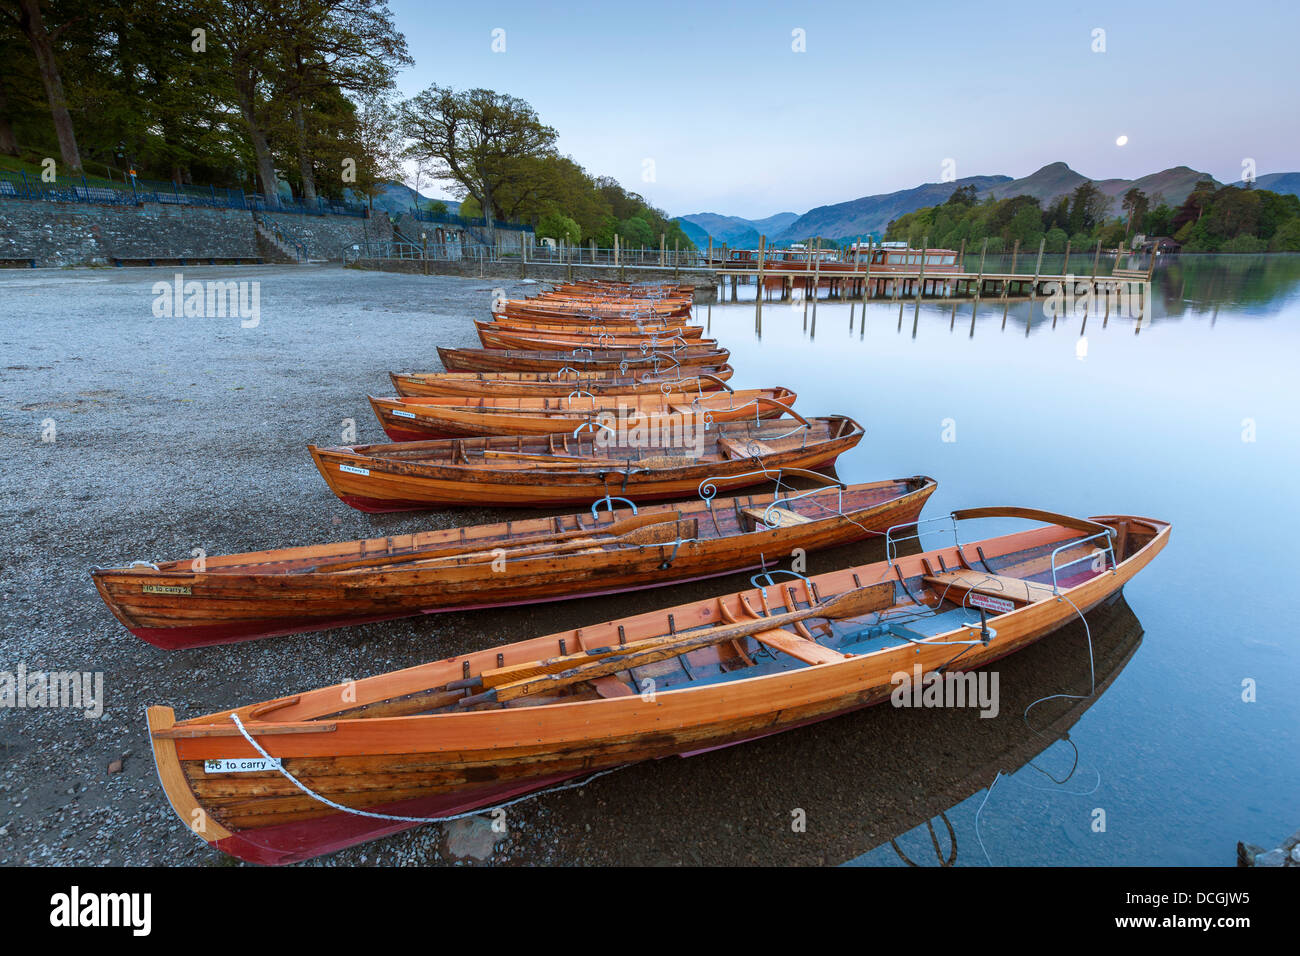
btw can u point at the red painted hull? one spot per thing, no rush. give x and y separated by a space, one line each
303 840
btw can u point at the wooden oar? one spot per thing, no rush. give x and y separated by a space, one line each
853 603
659 533
613 529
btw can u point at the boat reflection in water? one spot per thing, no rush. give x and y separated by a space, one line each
863 780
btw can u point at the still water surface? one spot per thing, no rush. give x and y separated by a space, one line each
1188 415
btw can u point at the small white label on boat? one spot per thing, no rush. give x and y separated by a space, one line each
166 589
401 413
354 471
996 604
242 765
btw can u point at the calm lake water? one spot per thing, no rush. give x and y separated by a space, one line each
1189 416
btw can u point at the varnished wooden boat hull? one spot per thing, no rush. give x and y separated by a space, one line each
452 760
493 338
553 326
548 385
240 597
555 360
410 476
414 419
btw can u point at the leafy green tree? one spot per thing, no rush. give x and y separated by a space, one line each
1287 237
476 138
1135 205
1088 206
634 232
554 225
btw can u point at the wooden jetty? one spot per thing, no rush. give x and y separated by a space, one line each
886 271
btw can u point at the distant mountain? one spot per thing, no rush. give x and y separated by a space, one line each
871 214
399 198
1277 182
732 230
1058 179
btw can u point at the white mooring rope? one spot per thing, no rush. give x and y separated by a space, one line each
279 765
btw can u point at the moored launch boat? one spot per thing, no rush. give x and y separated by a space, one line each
563 469
555 359
312 772
240 597
556 384
416 419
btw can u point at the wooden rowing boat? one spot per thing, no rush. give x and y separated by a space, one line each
240 597
581 359
581 310
416 419
515 317
591 330
559 469
478 729
553 384
493 338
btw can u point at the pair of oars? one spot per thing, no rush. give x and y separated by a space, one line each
615 530
521 680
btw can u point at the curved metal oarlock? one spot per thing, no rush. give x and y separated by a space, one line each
144 564
608 502
581 391
569 368
769 579
778 503
593 424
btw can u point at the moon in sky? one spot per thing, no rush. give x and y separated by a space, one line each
1121 141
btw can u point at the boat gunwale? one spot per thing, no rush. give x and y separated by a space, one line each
374 729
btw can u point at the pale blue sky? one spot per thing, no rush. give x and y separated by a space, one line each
737 122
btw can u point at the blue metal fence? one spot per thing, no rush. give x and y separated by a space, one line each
18 185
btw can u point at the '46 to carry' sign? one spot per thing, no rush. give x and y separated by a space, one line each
240 765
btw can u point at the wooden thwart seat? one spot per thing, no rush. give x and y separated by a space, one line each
783 517
738 450
810 652
956 584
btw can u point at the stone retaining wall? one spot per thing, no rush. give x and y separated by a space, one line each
325 236
79 234
65 234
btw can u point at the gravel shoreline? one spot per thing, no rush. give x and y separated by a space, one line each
173 434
